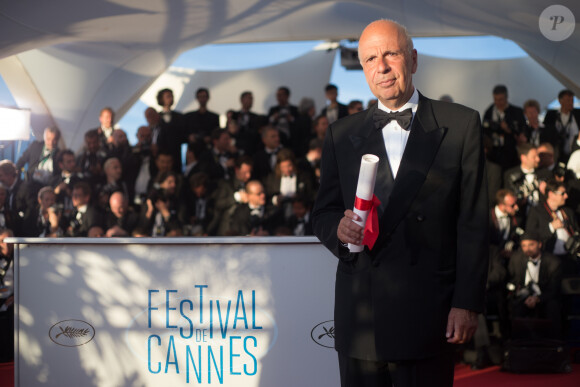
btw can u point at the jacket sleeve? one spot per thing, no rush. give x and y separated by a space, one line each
329 205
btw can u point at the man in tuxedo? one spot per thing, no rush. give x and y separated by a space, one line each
565 123
284 115
334 110
255 217
249 123
535 278
505 124
41 157
201 122
265 159
401 304
555 224
21 195
85 215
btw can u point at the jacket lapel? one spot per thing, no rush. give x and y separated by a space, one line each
369 140
422 146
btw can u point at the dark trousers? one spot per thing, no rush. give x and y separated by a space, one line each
431 372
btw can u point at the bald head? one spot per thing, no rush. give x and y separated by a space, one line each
118 204
388 60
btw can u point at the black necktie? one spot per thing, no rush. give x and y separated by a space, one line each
403 118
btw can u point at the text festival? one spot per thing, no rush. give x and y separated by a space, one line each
208 337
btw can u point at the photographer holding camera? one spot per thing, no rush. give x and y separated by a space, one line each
43 220
555 224
534 279
505 125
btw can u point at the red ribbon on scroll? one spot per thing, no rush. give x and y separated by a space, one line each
372 223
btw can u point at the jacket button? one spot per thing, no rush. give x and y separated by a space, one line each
420 218
376 262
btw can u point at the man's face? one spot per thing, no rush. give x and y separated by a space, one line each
247 101
298 209
244 172
531 160
531 113
222 144
559 196
117 204
256 195
106 119
331 95
500 101
281 97
114 170
50 140
546 156
152 116
144 135
68 163
47 200
79 198
167 99
566 103
202 98
92 144
272 139
164 162
509 205
531 248
7 179
286 168
387 63
120 138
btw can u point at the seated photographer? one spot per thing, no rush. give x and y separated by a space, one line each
159 215
120 220
43 220
534 280
555 225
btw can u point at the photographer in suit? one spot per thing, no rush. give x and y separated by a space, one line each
401 303
534 278
555 224
505 124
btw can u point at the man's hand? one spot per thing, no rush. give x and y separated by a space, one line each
348 231
532 301
461 325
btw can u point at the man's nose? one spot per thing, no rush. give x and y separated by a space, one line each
383 65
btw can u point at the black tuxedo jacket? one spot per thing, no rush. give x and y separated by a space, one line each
392 303
539 220
553 124
31 156
550 278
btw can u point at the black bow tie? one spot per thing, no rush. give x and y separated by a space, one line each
535 263
403 118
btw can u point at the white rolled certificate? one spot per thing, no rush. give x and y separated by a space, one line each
364 192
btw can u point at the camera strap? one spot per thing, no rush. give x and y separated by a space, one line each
566 220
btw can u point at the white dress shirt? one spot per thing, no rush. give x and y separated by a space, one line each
396 137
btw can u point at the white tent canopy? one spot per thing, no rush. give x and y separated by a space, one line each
67 59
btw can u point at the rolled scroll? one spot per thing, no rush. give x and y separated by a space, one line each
365 200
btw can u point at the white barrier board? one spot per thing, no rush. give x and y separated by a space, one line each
174 313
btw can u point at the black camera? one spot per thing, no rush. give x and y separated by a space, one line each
572 245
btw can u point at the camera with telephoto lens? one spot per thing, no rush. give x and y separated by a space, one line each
572 245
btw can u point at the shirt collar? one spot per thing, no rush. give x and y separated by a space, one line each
412 103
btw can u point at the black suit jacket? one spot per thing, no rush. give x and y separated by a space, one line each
31 156
392 303
550 277
553 124
539 220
